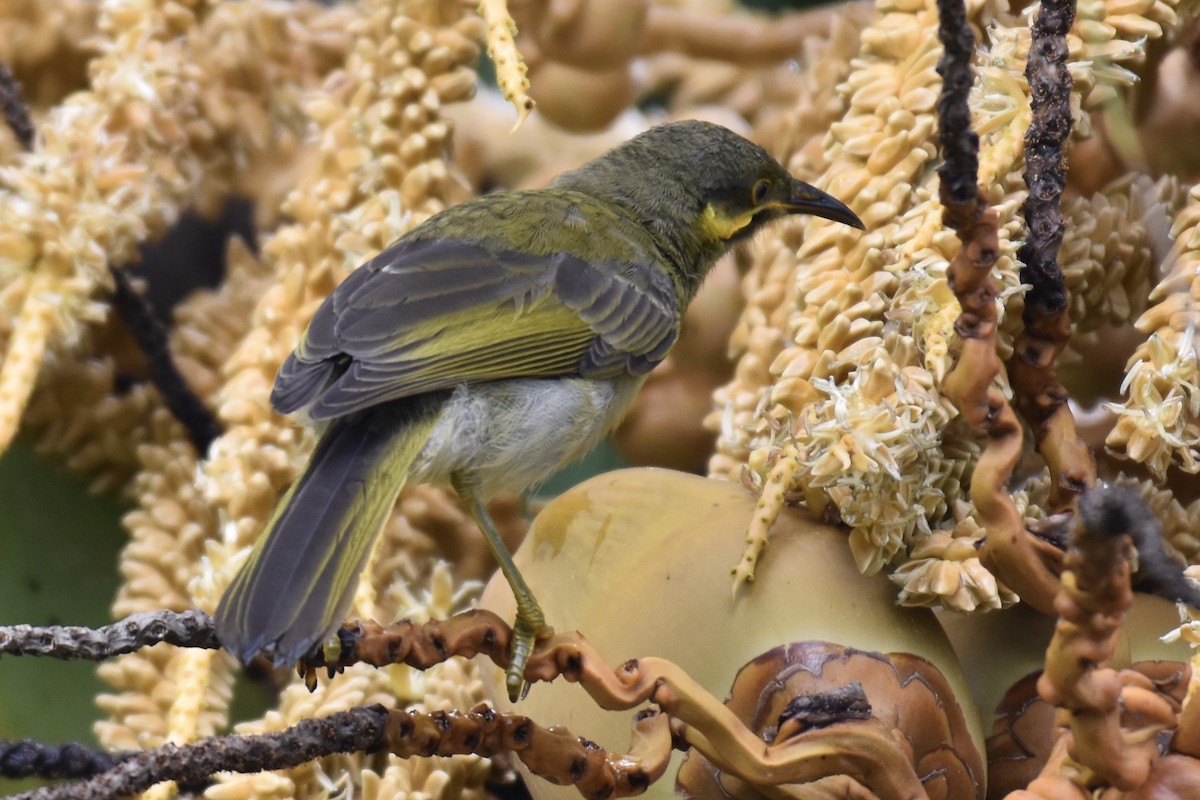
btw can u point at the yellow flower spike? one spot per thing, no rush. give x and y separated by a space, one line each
936 330
872 443
190 672
365 594
192 669
81 196
510 66
1107 256
162 693
1157 423
770 503
117 161
23 356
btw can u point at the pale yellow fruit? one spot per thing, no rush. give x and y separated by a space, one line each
591 34
580 100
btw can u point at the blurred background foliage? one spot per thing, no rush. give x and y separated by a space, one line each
58 566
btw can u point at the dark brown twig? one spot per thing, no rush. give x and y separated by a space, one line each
419 645
550 752
184 629
1045 166
1033 371
202 427
356 730
1022 562
30 759
16 113
959 170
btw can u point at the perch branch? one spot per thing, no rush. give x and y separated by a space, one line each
1032 370
418 645
1021 561
184 629
865 751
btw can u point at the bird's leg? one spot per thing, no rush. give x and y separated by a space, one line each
531 622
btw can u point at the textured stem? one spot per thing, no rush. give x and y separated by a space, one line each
30 759
959 169
1114 717
151 337
1021 562
550 752
1045 167
184 629
16 113
1033 371
359 729
510 66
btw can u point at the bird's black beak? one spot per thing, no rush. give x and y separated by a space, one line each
807 199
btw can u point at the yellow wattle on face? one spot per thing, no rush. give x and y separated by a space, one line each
717 224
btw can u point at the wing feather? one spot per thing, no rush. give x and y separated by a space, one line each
431 313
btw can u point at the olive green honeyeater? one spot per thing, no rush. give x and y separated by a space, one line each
485 348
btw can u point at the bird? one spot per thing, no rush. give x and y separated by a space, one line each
496 341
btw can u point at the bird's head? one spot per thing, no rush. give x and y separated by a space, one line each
701 187
735 185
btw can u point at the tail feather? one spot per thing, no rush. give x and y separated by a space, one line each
299 581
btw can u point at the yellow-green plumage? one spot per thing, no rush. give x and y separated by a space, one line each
486 347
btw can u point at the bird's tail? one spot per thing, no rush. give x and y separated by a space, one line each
299 581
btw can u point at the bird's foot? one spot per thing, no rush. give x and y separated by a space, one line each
331 654
529 627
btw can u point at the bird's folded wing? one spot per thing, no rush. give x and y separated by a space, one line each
434 313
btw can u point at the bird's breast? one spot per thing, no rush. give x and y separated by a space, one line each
512 434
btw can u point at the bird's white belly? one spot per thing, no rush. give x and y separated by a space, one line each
512 434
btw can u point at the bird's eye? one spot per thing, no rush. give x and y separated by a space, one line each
759 193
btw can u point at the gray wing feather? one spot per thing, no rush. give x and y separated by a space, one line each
370 341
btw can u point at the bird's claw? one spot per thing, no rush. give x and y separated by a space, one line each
530 626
